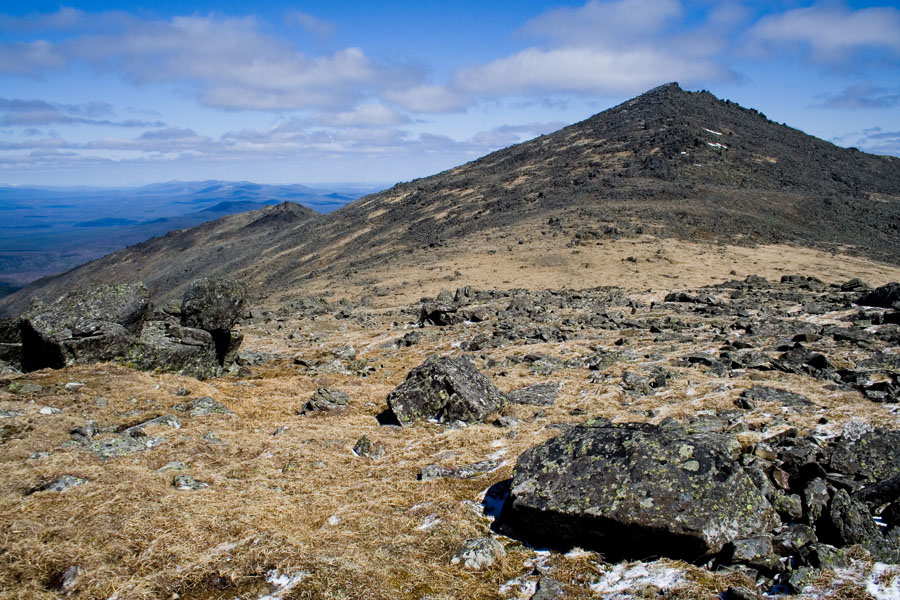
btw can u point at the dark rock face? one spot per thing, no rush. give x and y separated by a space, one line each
84 326
446 389
886 296
633 490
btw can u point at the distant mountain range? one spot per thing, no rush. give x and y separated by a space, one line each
45 230
669 163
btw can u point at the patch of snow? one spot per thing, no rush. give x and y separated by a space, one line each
49 410
621 581
884 582
526 588
498 443
282 583
333 520
711 131
717 145
430 521
497 455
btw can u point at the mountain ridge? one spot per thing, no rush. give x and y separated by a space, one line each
668 163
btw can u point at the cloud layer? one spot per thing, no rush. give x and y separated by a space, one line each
351 101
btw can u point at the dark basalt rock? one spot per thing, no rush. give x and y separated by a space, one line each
445 389
887 296
633 490
768 394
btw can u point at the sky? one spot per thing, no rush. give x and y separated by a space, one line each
105 93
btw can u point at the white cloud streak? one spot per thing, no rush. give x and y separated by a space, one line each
831 34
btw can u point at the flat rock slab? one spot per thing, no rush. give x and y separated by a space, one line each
539 394
633 490
445 389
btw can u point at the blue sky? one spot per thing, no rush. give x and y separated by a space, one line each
107 93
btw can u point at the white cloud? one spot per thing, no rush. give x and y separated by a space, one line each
600 23
28 113
584 70
862 96
363 115
30 58
831 33
428 99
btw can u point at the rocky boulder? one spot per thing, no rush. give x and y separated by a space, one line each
214 305
84 326
634 490
447 390
886 296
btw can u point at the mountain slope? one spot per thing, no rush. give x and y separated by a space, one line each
669 163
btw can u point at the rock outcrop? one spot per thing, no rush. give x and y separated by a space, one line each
634 490
85 326
447 390
109 323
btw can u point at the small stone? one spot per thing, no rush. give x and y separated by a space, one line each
548 589
50 410
800 578
212 437
187 483
750 549
63 483
101 402
204 405
796 537
478 553
326 399
64 581
182 392
365 447
74 386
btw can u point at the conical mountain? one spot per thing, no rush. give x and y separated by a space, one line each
669 163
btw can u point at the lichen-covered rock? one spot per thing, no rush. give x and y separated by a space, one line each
634 489
326 399
478 553
212 304
91 325
867 453
175 349
445 389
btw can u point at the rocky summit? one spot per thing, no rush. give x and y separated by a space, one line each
653 355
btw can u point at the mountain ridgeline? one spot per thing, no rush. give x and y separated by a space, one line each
669 163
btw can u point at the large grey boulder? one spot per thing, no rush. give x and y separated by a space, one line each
214 305
84 326
445 389
175 349
635 490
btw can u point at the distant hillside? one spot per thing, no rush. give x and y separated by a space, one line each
669 163
49 230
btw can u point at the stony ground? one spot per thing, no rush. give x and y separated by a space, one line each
252 494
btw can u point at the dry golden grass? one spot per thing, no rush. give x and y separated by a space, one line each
301 501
